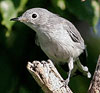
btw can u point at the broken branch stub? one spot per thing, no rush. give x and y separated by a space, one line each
47 76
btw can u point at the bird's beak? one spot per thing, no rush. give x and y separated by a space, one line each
15 19
21 19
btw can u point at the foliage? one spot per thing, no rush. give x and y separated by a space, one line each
17 44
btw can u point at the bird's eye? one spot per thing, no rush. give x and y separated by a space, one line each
34 15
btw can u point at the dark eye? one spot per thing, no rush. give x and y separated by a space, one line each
34 15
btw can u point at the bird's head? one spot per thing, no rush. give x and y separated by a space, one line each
34 17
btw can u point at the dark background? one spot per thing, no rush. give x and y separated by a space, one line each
17 41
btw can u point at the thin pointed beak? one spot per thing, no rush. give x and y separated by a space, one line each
21 19
15 19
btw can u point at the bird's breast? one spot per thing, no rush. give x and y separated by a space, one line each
58 45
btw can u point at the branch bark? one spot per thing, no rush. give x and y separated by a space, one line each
47 76
95 83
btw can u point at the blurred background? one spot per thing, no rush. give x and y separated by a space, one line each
17 41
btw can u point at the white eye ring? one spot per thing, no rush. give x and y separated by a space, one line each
34 15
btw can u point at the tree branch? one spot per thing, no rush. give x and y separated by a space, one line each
95 83
47 76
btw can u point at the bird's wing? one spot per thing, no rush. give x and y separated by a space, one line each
73 32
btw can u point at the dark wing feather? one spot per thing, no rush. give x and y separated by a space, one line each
73 32
73 37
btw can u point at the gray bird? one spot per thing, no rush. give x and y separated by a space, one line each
57 37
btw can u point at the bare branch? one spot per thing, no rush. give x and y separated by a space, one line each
95 83
47 76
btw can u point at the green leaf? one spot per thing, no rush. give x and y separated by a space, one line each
7 11
59 3
22 5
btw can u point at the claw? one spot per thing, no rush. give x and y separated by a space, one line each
66 81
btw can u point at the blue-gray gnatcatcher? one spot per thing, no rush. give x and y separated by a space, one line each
57 37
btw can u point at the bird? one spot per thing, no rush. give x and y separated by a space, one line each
57 37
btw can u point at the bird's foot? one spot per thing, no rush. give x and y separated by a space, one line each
65 82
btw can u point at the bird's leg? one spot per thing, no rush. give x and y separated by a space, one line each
71 66
83 69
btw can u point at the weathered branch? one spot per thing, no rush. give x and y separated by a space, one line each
47 77
95 83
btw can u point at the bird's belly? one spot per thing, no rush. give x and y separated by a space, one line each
59 52
56 54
